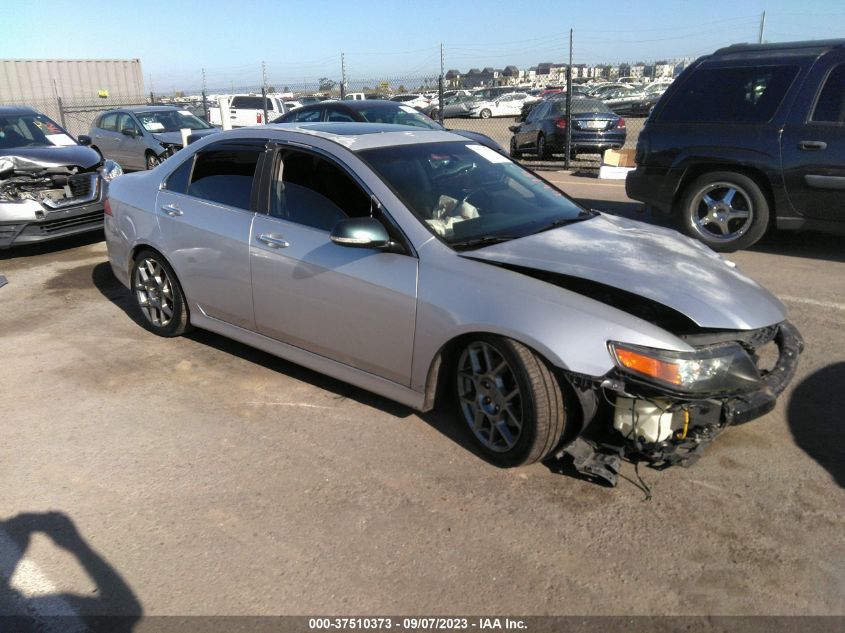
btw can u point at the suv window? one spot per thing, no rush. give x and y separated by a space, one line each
748 94
251 103
109 122
313 191
830 108
223 173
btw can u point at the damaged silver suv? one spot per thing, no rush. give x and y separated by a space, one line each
50 186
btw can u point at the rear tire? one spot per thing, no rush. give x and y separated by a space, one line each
158 295
542 148
726 210
515 153
485 114
510 399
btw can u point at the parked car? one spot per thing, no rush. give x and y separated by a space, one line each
376 112
504 105
634 103
595 128
247 109
50 185
428 268
140 137
454 107
412 100
599 92
749 138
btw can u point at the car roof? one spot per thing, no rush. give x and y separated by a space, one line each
358 104
361 136
17 109
806 47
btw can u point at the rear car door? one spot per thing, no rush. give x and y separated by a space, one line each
356 306
205 214
813 143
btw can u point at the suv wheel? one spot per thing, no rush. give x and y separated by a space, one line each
725 210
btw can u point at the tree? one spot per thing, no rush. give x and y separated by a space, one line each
326 84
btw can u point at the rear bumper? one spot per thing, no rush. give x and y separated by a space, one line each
655 187
589 142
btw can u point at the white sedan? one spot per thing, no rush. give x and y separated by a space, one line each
509 104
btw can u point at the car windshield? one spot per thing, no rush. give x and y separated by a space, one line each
171 121
401 115
31 130
470 195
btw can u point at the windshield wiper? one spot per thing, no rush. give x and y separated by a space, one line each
484 240
584 215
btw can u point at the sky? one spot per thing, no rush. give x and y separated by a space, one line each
300 42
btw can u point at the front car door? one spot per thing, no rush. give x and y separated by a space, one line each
205 214
352 305
813 143
130 148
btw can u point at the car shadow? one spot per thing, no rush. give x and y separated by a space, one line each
814 415
444 418
112 606
809 244
53 246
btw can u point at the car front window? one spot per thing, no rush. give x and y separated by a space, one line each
468 194
170 121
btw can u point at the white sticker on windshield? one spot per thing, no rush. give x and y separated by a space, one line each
491 155
407 109
154 126
184 112
60 139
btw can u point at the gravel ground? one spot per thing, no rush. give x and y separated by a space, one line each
199 476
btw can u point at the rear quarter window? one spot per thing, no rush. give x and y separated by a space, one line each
746 94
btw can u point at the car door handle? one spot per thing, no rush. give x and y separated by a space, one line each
172 210
272 240
812 146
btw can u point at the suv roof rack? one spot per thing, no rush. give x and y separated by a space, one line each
817 45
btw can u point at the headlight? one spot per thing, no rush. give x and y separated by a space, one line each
725 369
110 170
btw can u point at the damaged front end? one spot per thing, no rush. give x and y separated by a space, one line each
42 199
664 407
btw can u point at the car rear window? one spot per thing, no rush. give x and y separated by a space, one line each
253 103
747 94
581 106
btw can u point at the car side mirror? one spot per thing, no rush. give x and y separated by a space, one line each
513 128
360 233
128 131
84 139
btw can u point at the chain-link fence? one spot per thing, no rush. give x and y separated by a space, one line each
455 108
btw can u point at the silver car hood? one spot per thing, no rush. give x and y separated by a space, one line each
653 262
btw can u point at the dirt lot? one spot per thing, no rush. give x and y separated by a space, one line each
199 476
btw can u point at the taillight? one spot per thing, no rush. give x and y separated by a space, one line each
107 207
620 124
258 117
560 124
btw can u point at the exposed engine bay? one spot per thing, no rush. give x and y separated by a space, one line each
51 186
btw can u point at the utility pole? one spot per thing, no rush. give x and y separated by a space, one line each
264 90
568 106
342 76
440 88
762 28
204 101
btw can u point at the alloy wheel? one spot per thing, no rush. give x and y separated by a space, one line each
722 211
490 397
154 291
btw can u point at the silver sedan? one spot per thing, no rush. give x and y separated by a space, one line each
427 268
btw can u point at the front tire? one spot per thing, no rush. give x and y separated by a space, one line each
485 114
158 296
152 161
510 400
542 148
515 153
726 210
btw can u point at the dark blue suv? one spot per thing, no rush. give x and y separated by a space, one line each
746 139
